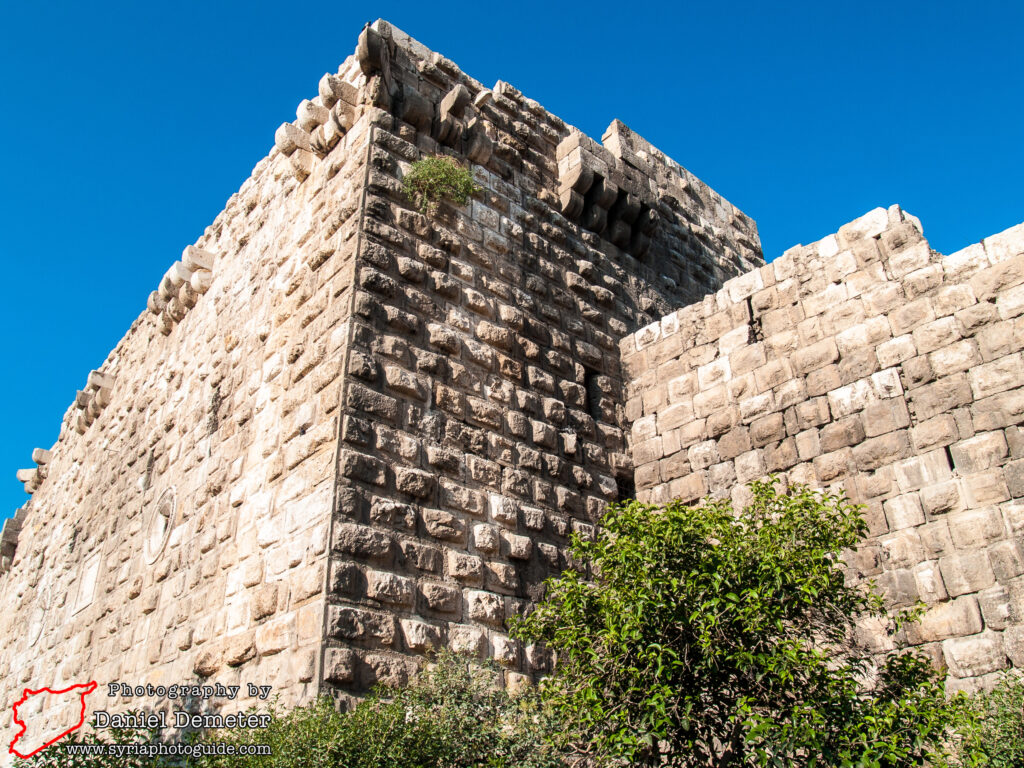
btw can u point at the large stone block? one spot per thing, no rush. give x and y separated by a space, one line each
1013 642
955 618
975 655
966 572
979 453
975 527
881 451
997 376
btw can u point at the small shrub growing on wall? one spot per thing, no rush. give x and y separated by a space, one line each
434 179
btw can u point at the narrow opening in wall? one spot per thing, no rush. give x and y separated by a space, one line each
754 334
949 458
627 488
213 419
592 393
150 462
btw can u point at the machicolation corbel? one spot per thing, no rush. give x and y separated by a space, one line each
93 399
319 124
33 477
457 121
181 287
595 190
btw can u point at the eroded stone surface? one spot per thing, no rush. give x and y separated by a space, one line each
866 363
345 432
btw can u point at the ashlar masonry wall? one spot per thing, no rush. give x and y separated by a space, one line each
870 363
482 404
345 432
178 528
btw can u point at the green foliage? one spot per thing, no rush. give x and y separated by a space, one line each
996 735
63 754
451 716
303 737
711 638
434 179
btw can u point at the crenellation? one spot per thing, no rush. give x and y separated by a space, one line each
879 367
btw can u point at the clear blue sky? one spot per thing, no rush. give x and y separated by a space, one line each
126 126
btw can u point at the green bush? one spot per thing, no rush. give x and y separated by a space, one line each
452 715
997 736
434 179
63 754
712 637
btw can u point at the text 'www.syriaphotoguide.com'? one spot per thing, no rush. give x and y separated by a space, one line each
166 750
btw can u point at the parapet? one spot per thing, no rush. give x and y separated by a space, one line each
867 363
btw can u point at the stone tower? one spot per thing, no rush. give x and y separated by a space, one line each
344 432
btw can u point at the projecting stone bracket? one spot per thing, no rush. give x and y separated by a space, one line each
456 126
93 399
33 477
319 124
181 287
597 194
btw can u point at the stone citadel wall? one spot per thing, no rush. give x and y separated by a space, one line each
343 431
870 363
481 410
178 527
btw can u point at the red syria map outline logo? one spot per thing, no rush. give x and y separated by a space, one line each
87 689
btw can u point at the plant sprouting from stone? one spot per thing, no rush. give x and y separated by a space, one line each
434 179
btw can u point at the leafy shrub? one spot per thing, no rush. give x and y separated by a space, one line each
434 179
452 715
997 736
64 753
711 638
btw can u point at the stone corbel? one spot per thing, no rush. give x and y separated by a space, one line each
374 56
289 138
341 99
297 145
195 259
90 402
621 215
156 303
479 144
643 230
183 284
9 537
595 192
186 295
201 280
450 119
456 125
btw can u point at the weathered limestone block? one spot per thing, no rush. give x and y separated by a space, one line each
371 51
339 665
975 655
309 115
194 259
955 618
201 281
290 137
333 89
421 637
